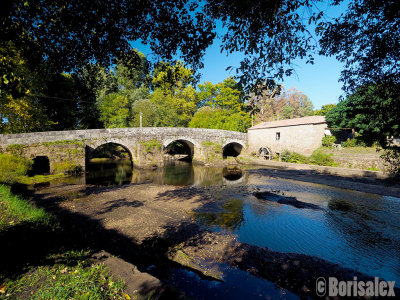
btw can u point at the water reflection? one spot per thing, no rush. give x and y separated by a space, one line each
232 173
109 172
230 216
356 230
178 173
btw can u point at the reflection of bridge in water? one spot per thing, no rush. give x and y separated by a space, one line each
146 146
178 173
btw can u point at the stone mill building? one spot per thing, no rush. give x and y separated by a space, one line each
301 135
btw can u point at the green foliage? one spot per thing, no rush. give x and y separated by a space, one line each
208 117
174 108
30 180
12 167
151 146
316 158
293 157
14 210
223 95
131 71
328 141
392 160
114 111
66 167
355 142
223 107
174 96
365 40
322 159
373 169
324 109
373 111
148 110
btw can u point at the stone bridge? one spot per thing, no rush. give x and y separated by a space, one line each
146 146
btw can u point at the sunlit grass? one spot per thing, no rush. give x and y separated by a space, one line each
75 278
12 167
14 210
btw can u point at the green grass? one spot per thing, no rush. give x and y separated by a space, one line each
39 178
373 169
14 210
322 159
12 167
66 167
293 157
75 278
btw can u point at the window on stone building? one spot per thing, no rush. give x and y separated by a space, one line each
278 136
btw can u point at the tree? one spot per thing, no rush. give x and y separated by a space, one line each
19 108
174 96
114 111
297 104
217 118
223 95
324 109
174 109
223 107
148 110
263 102
373 111
366 39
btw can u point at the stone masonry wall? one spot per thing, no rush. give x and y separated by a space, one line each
303 139
61 155
144 144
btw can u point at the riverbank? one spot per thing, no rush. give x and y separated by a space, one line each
375 182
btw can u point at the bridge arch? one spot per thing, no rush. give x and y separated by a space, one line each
181 146
233 148
109 148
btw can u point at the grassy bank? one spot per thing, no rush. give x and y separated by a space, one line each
75 278
60 273
317 158
16 169
15 210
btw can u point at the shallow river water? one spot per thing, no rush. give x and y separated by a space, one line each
356 230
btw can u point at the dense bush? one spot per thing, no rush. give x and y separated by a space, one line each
328 141
392 160
316 158
12 167
293 157
356 142
322 159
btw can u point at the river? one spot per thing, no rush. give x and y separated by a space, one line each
356 230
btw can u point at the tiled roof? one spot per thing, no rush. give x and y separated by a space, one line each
291 122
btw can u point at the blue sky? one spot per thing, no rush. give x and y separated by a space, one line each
318 81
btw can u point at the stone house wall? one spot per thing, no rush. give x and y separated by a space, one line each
303 139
